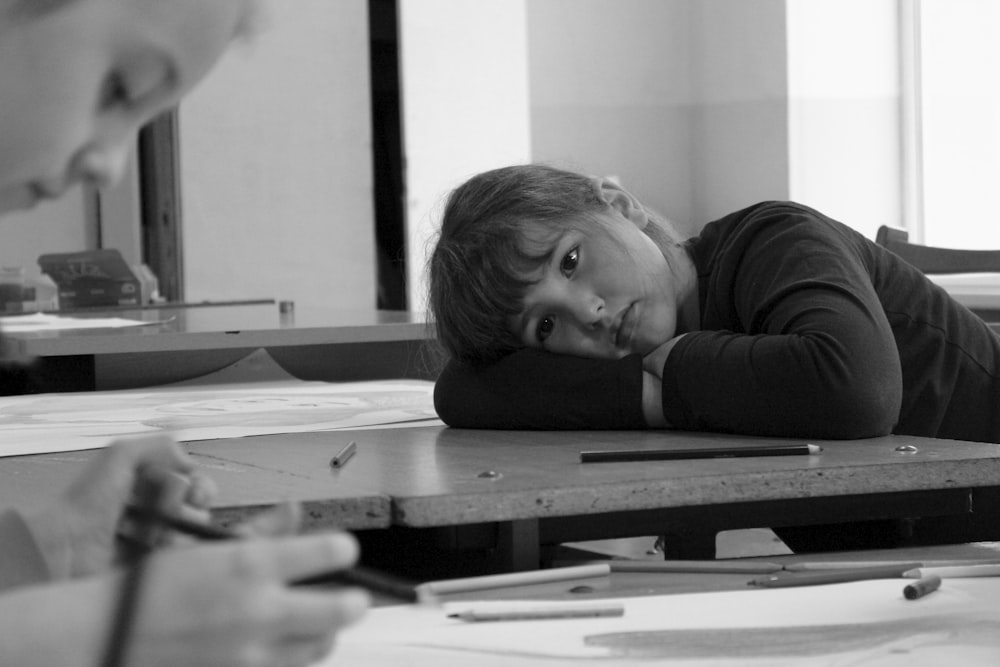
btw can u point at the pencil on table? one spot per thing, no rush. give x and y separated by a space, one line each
921 587
341 459
694 566
468 584
785 579
955 572
542 612
627 455
839 565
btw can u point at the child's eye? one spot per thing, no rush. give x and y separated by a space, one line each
544 328
115 91
570 260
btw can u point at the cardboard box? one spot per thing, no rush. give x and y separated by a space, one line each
94 278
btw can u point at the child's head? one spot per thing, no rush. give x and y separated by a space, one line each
78 78
534 256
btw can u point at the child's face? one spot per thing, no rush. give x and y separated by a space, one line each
607 292
77 83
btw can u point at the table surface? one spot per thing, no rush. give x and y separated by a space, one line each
224 327
433 476
439 476
444 476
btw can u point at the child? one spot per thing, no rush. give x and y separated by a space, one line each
78 78
564 303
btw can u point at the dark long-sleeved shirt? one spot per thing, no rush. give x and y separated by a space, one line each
808 329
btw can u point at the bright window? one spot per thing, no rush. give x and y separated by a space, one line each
955 108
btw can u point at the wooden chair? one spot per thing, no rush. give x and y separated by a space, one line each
934 260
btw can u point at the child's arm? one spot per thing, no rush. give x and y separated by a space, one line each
794 340
531 389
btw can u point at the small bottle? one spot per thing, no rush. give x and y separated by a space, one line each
11 289
46 295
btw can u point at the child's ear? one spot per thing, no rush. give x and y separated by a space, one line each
622 201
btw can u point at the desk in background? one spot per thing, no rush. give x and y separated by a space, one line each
979 292
186 342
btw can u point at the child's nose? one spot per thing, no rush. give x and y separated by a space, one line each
590 310
103 165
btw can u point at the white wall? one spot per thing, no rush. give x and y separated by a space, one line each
277 167
465 109
740 92
703 107
611 94
844 110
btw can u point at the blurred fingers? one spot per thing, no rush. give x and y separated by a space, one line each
280 520
311 613
304 556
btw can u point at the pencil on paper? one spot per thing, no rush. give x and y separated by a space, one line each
624 455
359 575
341 459
955 572
540 613
838 565
921 587
467 584
694 566
785 579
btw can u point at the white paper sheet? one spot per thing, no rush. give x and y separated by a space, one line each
866 623
46 322
43 423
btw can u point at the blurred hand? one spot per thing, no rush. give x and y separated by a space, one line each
222 604
77 532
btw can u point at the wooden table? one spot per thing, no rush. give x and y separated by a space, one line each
500 499
435 499
185 342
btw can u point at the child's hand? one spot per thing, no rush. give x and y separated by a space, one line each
77 533
653 361
212 605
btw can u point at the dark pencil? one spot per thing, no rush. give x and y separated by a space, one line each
785 579
341 459
624 455
135 553
367 578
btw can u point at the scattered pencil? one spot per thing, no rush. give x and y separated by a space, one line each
785 579
838 565
921 587
694 566
341 459
467 584
955 572
625 455
540 613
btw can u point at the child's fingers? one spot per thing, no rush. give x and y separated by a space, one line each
282 519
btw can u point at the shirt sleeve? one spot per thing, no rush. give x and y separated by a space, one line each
21 561
533 389
798 343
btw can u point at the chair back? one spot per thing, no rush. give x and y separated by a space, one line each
934 260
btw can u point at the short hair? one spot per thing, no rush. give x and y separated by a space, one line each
482 264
